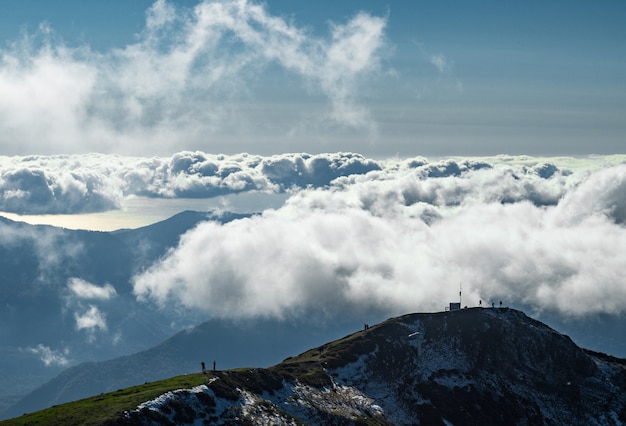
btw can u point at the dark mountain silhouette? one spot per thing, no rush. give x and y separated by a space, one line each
467 367
151 242
491 366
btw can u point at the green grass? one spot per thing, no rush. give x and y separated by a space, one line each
97 410
308 368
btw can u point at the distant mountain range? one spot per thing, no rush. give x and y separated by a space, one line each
477 366
70 325
47 325
258 343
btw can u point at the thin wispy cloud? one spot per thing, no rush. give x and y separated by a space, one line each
440 62
49 356
81 297
183 80
91 320
50 247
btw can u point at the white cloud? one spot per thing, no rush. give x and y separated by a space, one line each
49 356
353 52
69 184
91 320
88 317
45 91
85 290
39 185
182 82
401 239
603 193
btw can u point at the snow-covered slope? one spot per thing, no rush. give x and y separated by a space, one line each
474 366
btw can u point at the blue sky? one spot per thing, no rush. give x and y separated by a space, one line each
438 78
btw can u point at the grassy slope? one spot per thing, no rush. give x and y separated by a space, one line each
97 410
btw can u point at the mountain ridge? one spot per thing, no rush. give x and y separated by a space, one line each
37 266
487 366
472 366
225 341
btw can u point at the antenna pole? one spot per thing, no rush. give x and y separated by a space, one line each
460 289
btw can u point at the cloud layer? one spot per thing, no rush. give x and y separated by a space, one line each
71 184
404 237
355 235
92 183
184 82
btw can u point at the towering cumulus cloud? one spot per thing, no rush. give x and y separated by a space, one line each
187 78
403 237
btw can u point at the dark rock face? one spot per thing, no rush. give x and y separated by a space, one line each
468 367
494 366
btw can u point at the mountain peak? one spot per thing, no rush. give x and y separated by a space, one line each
471 366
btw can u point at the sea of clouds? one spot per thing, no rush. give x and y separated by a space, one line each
401 235
359 235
